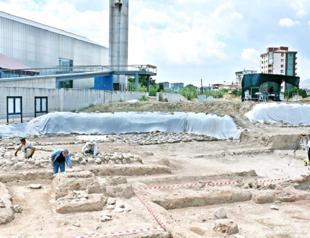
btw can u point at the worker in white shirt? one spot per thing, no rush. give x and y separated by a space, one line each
90 148
26 148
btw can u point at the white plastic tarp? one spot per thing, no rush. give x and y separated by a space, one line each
125 122
281 113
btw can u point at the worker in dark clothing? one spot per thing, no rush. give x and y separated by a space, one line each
307 162
59 159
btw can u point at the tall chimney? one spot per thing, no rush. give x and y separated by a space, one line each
119 11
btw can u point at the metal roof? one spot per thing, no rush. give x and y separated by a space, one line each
9 63
46 27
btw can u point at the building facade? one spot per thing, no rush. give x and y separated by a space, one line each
165 85
279 60
176 87
36 45
240 74
266 86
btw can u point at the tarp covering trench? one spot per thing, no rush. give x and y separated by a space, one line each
125 122
281 113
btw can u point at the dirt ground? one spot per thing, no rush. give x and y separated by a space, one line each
184 175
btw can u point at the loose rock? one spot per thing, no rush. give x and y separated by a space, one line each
220 214
35 186
105 217
225 226
273 207
17 209
76 225
2 204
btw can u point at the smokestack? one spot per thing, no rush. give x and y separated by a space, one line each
119 12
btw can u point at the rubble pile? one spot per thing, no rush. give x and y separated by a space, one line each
44 161
107 158
19 163
84 192
158 138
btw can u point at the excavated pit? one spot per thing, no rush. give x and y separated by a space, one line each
167 186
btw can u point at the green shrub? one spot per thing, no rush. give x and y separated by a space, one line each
216 93
189 92
236 92
142 89
295 91
143 98
303 93
153 90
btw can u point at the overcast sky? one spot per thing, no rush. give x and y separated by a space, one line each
187 39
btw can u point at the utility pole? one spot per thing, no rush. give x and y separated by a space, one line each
201 88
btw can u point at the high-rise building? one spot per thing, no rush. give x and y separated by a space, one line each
279 60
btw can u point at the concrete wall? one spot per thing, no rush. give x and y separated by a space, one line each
49 83
84 83
170 97
62 99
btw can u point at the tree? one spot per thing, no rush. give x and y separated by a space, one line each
295 91
236 92
189 92
143 83
131 84
153 90
219 93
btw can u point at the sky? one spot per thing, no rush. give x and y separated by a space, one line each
188 40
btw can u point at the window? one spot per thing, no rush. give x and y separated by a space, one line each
282 65
65 65
40 105
282 71
14 107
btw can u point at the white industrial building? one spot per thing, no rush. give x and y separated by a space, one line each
35 45
40 46
45 69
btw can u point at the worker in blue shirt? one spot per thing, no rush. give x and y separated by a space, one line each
59 159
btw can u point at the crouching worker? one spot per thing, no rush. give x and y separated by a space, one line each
307 161
27 149
90 148
305 142
61 158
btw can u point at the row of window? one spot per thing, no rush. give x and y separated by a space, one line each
15 106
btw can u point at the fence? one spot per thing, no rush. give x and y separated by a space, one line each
58 99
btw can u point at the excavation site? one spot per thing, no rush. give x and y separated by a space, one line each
159 170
